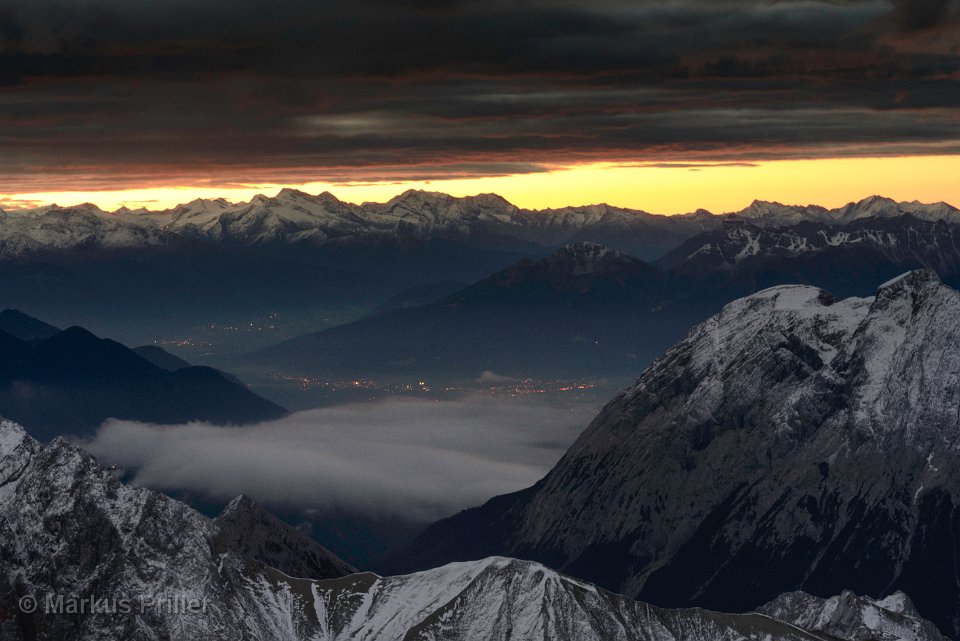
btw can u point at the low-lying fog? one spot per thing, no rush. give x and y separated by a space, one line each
417 459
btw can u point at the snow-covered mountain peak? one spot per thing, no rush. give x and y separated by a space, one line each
15 448
12 437
500 599
877 202
912 283
250 530
857 618
71 528
882 207
288 193
774 213
239 503
787 431
575 265
586 258
898 603
917 299
799 298
418 197
293 216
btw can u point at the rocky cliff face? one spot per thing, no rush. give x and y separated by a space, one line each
791 442
740 243
853 617
70 529
249 530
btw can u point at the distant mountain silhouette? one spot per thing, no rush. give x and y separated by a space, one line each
24 327
558 316
73 381
588 310
161 357
422 294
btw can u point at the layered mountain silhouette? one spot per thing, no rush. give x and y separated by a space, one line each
849 259
72 381
160 357
314 261
588 310
24 327
585 309
792 442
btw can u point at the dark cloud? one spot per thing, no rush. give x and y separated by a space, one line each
420 460
921 14
322 90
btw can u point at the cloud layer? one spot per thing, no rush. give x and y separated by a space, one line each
139 93
415 459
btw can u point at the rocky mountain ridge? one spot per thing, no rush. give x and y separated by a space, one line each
70 528
792 430
906 240
296 217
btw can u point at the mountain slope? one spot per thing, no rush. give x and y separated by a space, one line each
73 381
251 531
160 357
584 310
71 529
23 327
524 321
499 599
789 431
849 616
902 241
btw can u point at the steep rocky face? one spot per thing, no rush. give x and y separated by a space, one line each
744 243
69 528
853 617
791 432
250 531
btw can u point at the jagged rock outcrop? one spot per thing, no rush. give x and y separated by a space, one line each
857 618
247 529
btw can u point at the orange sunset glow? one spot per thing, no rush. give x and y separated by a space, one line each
657 189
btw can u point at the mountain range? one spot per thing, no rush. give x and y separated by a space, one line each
591 311
71 529
294 217
793 441
221 278
69 382
584 310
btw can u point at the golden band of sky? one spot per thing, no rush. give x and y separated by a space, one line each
653 188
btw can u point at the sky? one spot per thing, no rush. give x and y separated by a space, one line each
447 455
665 106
